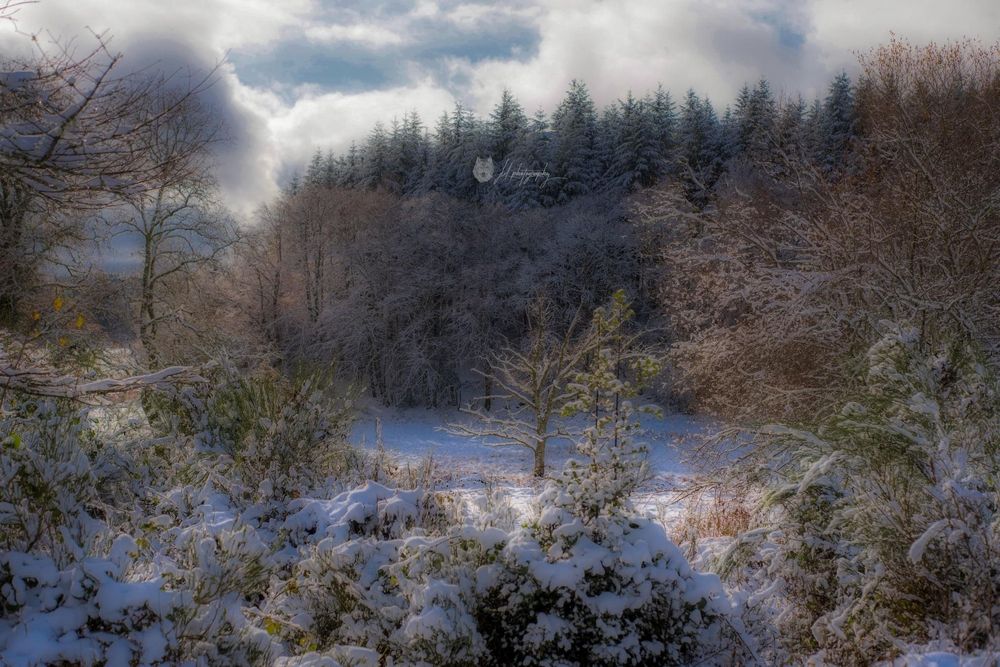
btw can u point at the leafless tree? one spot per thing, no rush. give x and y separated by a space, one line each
177 218
76 133
784 280
532 386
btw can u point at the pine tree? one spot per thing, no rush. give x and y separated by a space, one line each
792 127
466 144
508 127
606 138
740 122
574 124
437 174
406 152
664 117
376 160
838 122
637 158
315 170
536 154
350 172
755 116
330 167
812 133
700 134
700 155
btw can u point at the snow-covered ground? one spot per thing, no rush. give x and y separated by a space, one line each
465 465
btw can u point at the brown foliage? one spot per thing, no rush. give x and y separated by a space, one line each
777 287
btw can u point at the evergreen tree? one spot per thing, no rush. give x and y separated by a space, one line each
574 124
700 134
315 170
838 122
350 171
740 123
792 127
330 167
637 158
755 116
664 117
812 133
406 155
465 145
508 127
606 138
376 160
701 144
536 155
436 177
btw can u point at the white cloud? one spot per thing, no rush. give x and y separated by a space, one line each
333 120
712 46
372 35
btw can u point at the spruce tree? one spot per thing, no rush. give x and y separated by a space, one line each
574 124
838 122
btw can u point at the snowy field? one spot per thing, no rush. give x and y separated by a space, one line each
466 465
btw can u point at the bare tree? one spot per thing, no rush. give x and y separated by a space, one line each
76 133
532 384
784 280
177 218
260 256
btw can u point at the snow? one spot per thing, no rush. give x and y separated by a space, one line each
468 465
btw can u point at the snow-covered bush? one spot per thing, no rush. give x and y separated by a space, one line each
586 582
590 582
47 485
283 436
84 614
575 586
887 519
343 592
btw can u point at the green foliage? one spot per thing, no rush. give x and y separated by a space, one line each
281 434
47 483
889 510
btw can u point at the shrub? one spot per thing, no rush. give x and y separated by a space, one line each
283 436
888 510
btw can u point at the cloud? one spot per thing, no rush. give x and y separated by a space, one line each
332 120
371 35
303 74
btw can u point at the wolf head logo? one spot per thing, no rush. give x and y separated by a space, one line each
483 171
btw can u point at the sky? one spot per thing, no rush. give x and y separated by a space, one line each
302 74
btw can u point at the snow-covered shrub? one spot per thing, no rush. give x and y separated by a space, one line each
343 591
590 582
82 614
283 436
47 485
887 513
219 575
587 582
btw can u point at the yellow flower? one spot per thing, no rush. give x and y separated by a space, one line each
79 321
58 303
63 341
35 315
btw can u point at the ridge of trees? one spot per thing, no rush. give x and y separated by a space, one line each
633 143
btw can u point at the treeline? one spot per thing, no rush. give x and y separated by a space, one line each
633 143
395 264
405 295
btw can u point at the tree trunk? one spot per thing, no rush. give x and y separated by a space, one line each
539 470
